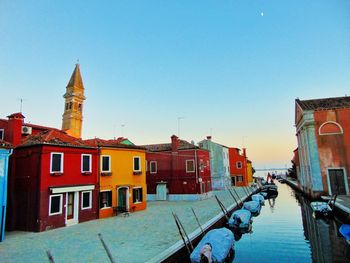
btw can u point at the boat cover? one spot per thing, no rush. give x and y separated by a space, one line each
259 198
252 206
345 231
320 206
242 214
221 241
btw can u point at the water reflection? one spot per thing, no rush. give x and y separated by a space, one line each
326 243
286 231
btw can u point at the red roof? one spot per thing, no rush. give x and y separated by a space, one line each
324 104
16 115
97 142
5 144
183 145
53 137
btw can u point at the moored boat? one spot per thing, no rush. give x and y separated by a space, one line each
259 198
253 206
345 232
240 218
216 246
321 209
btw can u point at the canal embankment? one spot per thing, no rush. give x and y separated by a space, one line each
145 236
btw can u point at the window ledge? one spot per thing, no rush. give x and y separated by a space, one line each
86 173
57 174
137 172
106 173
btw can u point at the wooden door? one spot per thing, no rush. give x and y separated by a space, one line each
337 181
70 206
122 202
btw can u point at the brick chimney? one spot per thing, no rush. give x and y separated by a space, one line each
209 137
174 143
14 132
244 152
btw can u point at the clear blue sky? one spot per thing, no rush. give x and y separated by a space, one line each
230 68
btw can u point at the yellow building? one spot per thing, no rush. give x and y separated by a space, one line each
122 177
249 172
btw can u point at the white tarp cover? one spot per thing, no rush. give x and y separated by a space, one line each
259 198
252 206
243 214
221 241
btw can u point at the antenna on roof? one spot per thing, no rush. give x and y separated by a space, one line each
21 104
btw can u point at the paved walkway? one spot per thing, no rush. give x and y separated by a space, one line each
136 238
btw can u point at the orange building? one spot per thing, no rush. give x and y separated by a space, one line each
238 167
122 171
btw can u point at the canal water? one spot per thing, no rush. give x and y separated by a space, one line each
285 231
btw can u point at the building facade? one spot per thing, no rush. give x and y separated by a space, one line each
122 176
238 167
5 152
177 171
323 133
219 163
53 182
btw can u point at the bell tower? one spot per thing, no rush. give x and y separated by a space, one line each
73 108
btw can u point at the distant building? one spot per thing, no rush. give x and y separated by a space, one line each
53 182
177 171
323 133
250 172
5 152
219 163
238 167
122 176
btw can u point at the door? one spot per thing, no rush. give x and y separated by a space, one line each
337 181
122 199
161 192
72 209
70 206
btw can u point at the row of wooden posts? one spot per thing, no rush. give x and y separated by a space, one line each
184 236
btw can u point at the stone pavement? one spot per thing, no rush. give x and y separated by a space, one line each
139 237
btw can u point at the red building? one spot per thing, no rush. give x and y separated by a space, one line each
177 171
14 129
53 182
238 167
323 133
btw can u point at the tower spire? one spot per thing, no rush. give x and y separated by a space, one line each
74 99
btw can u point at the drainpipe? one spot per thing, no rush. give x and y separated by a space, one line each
195 158
98 182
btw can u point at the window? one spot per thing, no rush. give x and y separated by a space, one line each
330 128
137 195
56 165
86 163
67 105
106 163
153 167
201 166
86 200
189 166
70 105
239 165
137 164
105 199
239 178
80 107
1 134
55 205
